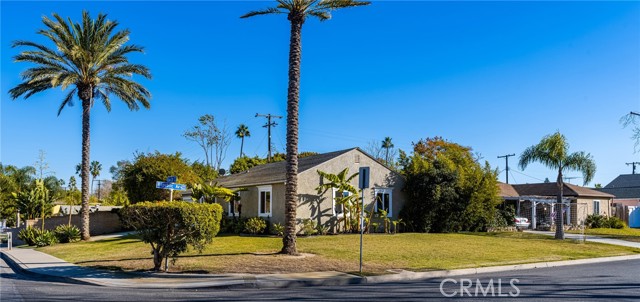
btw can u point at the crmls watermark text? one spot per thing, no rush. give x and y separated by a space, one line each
451 287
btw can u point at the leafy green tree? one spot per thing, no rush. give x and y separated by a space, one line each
171 227
297 11
206 173
447 190
139 178
241 133
553 152
245 163
90 59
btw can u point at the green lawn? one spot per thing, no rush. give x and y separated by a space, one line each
627 234
418 252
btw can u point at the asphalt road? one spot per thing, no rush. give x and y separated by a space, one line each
612 281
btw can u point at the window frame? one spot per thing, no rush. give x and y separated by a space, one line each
596 202
265 189
383 191
333 199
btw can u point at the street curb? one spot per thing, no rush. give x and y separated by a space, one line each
265 281
16 265
409 276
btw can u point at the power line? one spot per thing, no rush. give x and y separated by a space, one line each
519 172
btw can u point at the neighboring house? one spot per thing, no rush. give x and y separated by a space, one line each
265 188
626 188
535 201
626 204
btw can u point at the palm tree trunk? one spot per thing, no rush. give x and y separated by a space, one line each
241 145
84 175
559 216
291 187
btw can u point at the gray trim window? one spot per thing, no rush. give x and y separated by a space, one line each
596 207
338 209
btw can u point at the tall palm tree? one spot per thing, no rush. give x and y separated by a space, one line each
94 168
241 133
387 144
297 11
553 152
88 58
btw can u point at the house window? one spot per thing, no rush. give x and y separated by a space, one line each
264 201
338 209
596 207
234 207
384 200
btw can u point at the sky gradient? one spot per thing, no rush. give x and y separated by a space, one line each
495 76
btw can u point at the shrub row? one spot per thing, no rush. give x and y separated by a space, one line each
37 237
599 221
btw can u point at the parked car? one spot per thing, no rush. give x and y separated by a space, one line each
522 222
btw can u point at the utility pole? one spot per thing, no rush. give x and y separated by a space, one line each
268 125
506 158
99 184
633 165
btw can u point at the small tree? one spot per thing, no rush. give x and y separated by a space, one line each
171 227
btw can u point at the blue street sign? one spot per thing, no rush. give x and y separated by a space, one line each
172 179
178 187
162 184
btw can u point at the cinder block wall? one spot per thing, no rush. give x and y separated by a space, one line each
99 223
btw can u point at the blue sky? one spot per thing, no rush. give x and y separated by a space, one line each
495 76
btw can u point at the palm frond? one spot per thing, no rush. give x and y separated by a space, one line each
68 100
266 11
581 162
323 15
337 4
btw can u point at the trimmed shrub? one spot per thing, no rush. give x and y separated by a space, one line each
255 225
67 233
29 235
171 227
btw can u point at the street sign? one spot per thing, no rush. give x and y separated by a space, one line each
363 178
172 179
177 187
162 185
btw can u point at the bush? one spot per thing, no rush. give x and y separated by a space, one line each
29 235
278 229
46 238
308 227
616 223
596 221
67 233
171 227
255 225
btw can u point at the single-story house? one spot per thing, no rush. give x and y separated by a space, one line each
536 202
265 188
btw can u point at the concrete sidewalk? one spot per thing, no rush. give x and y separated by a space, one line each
30 261
591 238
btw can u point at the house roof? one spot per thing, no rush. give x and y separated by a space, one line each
625 181
624 186
551 189
507 190
275 172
